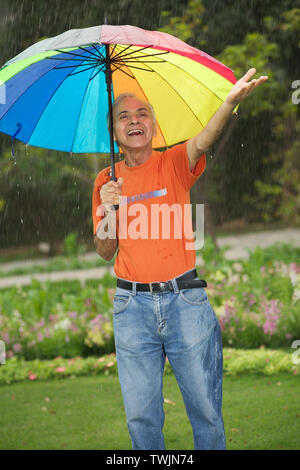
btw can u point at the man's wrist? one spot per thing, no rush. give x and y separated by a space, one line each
108 209
230 105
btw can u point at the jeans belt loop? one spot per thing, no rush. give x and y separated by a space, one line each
150 287
175 287
133 288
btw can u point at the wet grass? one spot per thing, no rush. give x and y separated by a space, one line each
87 413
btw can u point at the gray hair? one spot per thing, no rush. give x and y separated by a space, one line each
122 96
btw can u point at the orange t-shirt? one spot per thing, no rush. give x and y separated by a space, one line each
153 224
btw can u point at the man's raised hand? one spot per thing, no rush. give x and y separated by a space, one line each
244 87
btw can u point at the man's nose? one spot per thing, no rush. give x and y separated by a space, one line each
134 119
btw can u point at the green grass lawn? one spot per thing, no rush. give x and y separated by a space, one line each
87 413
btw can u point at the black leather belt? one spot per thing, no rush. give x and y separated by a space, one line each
186 281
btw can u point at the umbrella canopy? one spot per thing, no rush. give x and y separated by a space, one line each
56 91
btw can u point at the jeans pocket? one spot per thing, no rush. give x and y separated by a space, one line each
121 302
196 296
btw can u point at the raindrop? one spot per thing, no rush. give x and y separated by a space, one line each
22 222
242 145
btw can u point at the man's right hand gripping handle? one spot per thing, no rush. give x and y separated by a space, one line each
110 196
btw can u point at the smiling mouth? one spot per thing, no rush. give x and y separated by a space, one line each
135 132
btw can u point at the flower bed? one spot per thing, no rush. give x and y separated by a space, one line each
262 361
57 319
256 301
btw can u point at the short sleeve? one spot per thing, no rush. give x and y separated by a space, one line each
97 210
178 161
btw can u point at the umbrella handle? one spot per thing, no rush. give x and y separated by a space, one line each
115 207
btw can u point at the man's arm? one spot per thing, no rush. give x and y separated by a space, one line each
199 144
106 241
106 247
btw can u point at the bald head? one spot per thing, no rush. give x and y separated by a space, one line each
123 96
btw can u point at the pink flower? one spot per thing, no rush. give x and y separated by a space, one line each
110 364
17 347
32 376
60 369
6 338
272 312
294 267
72 314
74 328
40 337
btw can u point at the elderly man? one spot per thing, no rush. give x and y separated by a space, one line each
161 308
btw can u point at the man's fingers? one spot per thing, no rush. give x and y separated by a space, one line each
251 72
261 79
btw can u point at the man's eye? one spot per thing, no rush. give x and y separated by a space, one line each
123 116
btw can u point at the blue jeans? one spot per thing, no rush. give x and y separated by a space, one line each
181 325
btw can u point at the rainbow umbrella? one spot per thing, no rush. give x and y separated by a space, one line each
59 91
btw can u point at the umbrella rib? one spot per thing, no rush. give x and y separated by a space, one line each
142 56
98 55
126 73
94 63
100 70
78 118
134 52
211 91
42 75
139 68
94 56
130 45
88 59
80 71
113 50
72 53
45 107
162 78
132 61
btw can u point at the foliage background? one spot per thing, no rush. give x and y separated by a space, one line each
253 172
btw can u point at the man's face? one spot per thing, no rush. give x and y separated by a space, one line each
133 124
